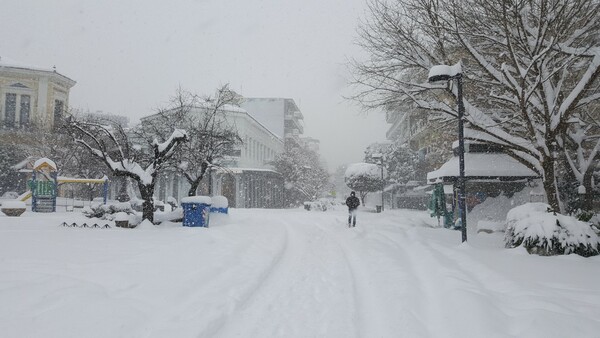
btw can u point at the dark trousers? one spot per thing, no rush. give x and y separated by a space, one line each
352 217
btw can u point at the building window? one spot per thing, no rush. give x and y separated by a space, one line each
10 104
25 110
59 107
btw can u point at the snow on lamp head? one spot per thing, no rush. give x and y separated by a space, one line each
444 72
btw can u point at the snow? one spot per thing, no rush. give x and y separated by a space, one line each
121 216
483 164
219 202
177 134
443 72
10 204
197 199
362 169
532 223
43 160
285 273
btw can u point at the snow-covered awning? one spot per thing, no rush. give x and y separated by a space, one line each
483 166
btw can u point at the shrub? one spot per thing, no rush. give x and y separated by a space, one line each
107 211
546 233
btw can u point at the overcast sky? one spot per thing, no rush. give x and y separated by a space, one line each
128 57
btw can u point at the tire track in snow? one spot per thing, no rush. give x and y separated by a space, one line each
196 303
451 291
302 295
378 313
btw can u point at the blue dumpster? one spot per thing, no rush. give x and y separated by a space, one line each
196 211
219 205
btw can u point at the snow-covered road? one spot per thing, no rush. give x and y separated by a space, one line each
286 273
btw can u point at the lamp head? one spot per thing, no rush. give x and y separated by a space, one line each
444 72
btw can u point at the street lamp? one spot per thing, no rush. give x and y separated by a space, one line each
380 157
448 73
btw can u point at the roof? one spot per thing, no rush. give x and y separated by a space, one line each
44 162
483 166
7 63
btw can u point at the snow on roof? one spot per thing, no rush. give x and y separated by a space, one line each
362 169
482 165
44 161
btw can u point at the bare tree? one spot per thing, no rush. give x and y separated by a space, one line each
530 67
123 155
211 136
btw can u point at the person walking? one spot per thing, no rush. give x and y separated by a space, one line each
352 202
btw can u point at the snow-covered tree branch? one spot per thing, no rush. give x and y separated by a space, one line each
117 149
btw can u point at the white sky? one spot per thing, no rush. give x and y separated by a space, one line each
128 57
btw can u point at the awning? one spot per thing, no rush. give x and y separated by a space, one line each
483 166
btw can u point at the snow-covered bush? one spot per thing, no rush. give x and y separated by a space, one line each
364 178
546 233
107 211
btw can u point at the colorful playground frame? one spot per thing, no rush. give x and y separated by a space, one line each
44 185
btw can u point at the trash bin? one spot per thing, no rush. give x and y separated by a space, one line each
219 204
196 211
378 207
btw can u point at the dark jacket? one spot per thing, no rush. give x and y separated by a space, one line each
352 202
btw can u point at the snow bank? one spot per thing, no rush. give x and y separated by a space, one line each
197 199
490 215
546 233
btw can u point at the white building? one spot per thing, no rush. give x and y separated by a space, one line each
31 96
247 179
280 115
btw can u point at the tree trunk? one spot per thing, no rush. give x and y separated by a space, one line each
147 193
549 183
193 188
362 195
588 198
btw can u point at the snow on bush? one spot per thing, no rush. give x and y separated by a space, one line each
365 177
362 169
547 233
107 211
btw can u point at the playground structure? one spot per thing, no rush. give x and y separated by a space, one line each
44 186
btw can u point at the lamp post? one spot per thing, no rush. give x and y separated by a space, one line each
380 157
448 73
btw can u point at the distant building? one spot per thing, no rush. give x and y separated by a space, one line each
31 96
281 116
311 143
102 117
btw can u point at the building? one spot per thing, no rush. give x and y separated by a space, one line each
280 115
31 96
311 143
245 177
